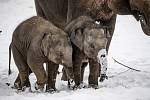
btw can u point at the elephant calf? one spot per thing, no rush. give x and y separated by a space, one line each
87 38
37 41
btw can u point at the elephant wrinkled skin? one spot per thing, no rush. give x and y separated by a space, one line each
63 12
37 41
88 38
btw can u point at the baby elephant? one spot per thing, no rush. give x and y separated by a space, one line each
88 39
37 41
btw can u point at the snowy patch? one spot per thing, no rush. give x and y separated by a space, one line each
129 45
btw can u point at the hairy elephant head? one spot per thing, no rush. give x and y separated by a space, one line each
140 9
88 36
58 49
97 9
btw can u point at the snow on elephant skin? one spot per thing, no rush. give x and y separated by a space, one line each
129 45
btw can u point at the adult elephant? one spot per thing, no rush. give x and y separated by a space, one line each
140 9
62 12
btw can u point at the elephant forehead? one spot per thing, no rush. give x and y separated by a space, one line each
95 33
91 3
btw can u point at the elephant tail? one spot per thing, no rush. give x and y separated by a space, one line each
9 71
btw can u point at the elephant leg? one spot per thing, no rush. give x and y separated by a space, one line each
52 69
77 63
77 72
64 75
17 82
84 64
39 9
94 73
22 66
40 74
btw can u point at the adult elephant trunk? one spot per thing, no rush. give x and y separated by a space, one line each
140 9
146 26
143 8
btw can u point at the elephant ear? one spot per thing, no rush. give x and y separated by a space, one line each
46 43
77 38
75 30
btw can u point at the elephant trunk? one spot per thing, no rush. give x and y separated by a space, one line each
67 62
145 24
143 9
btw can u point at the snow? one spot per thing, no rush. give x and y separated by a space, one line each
129 45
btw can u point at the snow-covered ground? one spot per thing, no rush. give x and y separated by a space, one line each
129 45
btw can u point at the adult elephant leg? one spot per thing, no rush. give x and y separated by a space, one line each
39 9
52 69
23 76
94 73
54 11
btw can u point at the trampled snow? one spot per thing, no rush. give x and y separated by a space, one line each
129 46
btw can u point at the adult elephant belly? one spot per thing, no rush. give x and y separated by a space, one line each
53 10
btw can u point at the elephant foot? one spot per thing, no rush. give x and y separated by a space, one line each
51 90
17 86
93 86
21 86
71 84
22 89
39 88
82 85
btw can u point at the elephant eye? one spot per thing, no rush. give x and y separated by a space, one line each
82 30
79 30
